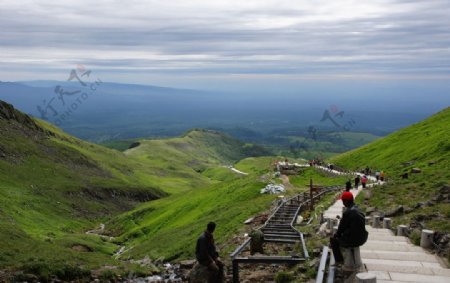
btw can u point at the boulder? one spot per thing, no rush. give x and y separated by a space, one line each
187 264
199 274
395 211
416 170
369 210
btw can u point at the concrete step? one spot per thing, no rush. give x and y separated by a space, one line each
413 263
418 278
281 236
387 238
391 255
399 242
382 246
394 277
274 231
407 269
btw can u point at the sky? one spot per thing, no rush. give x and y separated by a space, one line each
245 45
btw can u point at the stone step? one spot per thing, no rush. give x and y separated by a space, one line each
390 255
413 263
415 278
394 277
286 232
281 236
399 242
407 269
387 238
382 246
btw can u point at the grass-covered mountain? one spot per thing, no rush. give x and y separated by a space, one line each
54 187
426 146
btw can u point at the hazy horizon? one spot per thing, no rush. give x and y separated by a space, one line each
232 46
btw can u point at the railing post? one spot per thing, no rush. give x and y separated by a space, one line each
426 239
311 203
235 272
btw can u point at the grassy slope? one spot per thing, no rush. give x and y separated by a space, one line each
169 227
54 187
427 145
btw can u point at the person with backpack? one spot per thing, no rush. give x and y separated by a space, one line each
364 181
351 230
357 180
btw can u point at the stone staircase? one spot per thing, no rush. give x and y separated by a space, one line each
393 258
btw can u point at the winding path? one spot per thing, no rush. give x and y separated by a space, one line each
395 259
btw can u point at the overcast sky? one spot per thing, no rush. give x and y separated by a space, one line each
220 44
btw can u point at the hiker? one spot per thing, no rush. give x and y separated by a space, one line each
207 255
348 185
382 176
364 181
367 171
357 180
351 230
377 175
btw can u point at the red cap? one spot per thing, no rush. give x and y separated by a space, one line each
347 196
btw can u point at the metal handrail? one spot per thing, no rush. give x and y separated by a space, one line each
322 265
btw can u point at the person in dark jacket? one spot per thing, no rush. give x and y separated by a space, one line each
207 255
357 180
351 230
348 185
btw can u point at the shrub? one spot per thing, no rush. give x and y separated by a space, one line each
283 277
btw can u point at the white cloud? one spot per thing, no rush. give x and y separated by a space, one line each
252 37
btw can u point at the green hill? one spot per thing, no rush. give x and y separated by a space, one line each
426 146
54 187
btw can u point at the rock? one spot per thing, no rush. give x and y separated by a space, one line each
323 229
395 211
445 189
134 144
199 274
416 170
369 210
314 263
408 163
419 204
408 209
432 162
273 189
187 264
249 221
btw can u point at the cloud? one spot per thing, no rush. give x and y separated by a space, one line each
382 38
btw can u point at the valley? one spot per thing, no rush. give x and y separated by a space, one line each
155 197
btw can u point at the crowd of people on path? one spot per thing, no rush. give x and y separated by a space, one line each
362 178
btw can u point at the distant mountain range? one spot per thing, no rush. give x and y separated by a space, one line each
107 111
